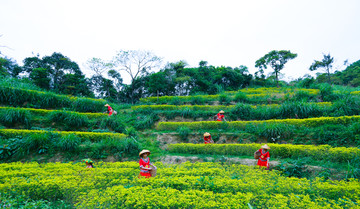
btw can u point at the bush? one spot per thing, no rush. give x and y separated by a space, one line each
13 116
184 132
72 120
302 96
322 152
274 131
69 143
197 100
224 99
114 123
85 136
41 99
242 111
240 97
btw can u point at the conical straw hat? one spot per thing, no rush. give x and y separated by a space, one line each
206 134
144 151
221 111
265 146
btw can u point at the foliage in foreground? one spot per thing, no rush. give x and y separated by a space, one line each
199 185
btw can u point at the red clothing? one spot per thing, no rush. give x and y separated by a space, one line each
207 139
144 164
263 159
220 117
110 110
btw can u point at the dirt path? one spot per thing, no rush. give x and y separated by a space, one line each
171 159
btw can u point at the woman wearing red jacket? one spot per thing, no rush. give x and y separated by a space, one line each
264 158
207 138
220 116
144 163
109 109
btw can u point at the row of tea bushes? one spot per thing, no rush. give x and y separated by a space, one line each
198 185
321 152
48 100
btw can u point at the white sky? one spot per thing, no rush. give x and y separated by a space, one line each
230 33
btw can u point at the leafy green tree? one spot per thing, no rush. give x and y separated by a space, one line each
350 76
277 60
9 67
41 77
325 63
65 75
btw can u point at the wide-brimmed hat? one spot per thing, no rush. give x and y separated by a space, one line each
107 105
87 161
144 151
221 111
206 134
265 146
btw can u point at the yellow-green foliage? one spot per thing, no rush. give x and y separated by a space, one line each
309 122
44 112
182 98
321 152
198 185
250 92
355 92
20 97
272 90
205 107
9 133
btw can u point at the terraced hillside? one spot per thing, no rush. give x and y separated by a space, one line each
314 135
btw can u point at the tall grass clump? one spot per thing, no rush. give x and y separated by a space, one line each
224 99
183 132
88 105
70 119
272 131
347 106
197 100
240 97
69 143
241 111
299 110
302 96
10 117
114 123
146 121
175 101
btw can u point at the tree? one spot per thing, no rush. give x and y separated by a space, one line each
277 61
136 63
9 67
98 66
325 63
65 75
40 77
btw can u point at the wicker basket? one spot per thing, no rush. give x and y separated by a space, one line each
153 171
257 154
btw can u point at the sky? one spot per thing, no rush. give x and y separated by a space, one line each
223 33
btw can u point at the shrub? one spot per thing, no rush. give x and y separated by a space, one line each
72 120
197 100
224 99
322 152
273 131
114 123
69 143
41 99
242 111
240 97
13 116
94 137
184 132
